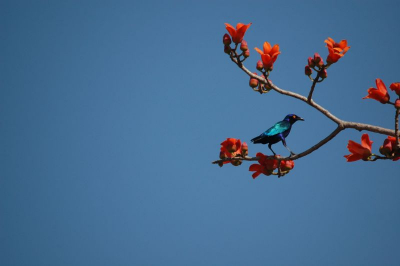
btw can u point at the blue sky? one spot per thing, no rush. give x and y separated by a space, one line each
112 111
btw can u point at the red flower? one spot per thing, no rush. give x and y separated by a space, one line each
386 149
266 166
336 50
395 87
393 144
238 33
269 55
287 165
380 94
232 148
358 151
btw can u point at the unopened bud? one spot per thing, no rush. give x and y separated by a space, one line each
318 60
236 162
397 103
226 39
324 74
311 62
243 46
308 71
253 82
259 65
246 53
287 165
227 49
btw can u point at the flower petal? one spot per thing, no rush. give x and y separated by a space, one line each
353 157
258 51
266 47
231 30
381 86
366 142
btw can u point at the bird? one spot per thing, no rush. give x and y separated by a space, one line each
278 132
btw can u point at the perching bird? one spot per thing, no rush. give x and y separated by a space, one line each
278 132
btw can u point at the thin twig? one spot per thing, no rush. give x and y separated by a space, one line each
313 86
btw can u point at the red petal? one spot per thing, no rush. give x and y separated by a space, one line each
231 30
266 47
366 142
353 157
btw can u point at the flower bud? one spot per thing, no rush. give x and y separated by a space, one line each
246 53
397 103
287 165
227 49
243 46
253 82
236 162
386 148
259 65
318 60
245 149
308 71
324 74
226 39
311 62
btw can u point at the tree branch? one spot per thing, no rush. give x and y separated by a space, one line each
295 157
312 103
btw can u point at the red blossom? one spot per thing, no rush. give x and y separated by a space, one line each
358 151
231 148
238 33
266 166
380 94
393 143
268 55
395 87
336 50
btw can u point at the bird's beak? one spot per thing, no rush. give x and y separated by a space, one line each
299 118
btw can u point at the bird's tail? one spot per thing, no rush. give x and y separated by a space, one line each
257 139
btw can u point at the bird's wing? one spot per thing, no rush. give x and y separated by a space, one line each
278 128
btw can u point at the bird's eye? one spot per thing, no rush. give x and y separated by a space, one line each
294 116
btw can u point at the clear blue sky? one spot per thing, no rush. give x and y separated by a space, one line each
112 111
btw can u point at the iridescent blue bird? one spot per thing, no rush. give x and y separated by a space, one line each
278 132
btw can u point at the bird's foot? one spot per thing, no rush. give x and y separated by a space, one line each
292 154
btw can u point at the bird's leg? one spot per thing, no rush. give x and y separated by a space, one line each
269 146
284 144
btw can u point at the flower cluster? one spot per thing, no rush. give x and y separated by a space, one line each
237 35
363 151
269 54
389 149
267 164
231 148
336 51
